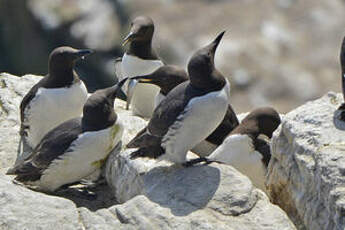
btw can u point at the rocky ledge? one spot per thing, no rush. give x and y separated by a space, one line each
143 194
307 171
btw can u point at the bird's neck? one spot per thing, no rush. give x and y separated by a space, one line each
62 77
143 50
211 82
99 119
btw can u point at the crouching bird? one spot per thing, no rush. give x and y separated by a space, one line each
245 149
189 113
76 148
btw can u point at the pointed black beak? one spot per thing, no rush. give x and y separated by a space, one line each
116 88
342 56
121 83
216 41
83 53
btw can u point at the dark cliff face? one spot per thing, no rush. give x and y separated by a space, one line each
30 31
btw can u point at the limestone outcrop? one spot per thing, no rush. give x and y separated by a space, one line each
152 195
306 174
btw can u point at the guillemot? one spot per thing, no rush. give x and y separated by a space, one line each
168 77
139 59
75 148
244 149
342 64
58 97
189 113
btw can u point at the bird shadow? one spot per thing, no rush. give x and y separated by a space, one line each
182 190
92 198
338 123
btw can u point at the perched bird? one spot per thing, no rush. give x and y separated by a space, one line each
75 148
168 77
189 113
58 97
139 59
342 63
244 149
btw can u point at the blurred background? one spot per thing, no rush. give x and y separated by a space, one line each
275 52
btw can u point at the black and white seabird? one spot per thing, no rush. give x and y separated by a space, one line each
342 63
244 149
58 97
189 113
139 59
75 148
168 77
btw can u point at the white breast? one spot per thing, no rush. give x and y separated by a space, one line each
144 94
204 148
158 98
51 107
238 151
83 157
200 118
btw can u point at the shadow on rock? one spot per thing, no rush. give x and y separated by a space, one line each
182 190
97 198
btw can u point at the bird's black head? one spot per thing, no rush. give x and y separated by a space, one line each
166 77
98 111
201 65
142 29
263 120
62 59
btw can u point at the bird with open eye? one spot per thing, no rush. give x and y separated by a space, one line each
58 97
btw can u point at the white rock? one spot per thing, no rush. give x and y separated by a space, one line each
173 197
22 208
154 195
306 172
13 89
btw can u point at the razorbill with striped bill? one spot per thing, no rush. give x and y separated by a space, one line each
168 77
245 149
189 113
342 63
75 148
58 97
139 59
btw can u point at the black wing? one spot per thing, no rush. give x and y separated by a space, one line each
170 108
26 101
52 146
229 123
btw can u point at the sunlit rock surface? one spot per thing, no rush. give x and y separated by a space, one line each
306 172
152 195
